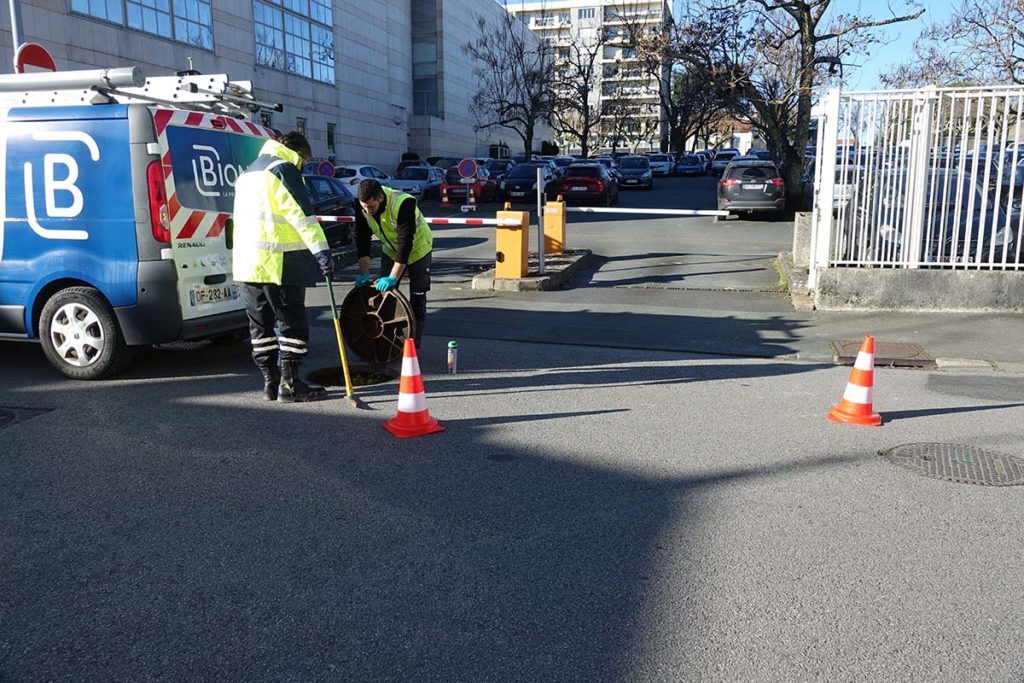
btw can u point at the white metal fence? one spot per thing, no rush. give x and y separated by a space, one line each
929 178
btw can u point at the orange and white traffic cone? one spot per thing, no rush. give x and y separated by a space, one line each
444 196
413 418
855 408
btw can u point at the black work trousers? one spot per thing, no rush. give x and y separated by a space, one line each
419 284
281 306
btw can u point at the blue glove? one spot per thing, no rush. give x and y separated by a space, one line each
362 280
326 263
385 283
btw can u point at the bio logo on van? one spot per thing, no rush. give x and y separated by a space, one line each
206 165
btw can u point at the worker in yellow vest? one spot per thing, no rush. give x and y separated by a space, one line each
278 248
406 244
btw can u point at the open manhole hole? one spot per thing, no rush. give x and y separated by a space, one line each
887 354
362 375
957 463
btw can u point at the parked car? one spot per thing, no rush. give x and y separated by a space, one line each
846 178
562 163
751 186
353 174
521 183
408 159
959 225
499 168
661 164
690 164
722 159
457 189
330 197
706 156
610 163
635 171
422 182
589 182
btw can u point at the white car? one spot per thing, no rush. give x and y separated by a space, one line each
353 174
661 164
422 182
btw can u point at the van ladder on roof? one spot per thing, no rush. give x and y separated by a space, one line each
213 93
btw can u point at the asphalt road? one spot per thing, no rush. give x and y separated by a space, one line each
589 513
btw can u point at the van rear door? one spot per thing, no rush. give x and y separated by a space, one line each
202 157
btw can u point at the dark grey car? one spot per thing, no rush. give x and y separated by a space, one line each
751 186
635 172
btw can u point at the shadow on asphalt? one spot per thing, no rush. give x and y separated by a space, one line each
726 335
196 539
891 415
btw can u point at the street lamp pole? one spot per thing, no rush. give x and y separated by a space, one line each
15 25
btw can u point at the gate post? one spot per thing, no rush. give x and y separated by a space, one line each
917 176
824 185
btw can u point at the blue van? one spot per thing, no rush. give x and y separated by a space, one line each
115 228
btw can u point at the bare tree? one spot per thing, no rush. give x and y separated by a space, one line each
515 74
770 56
693 108
577 99
981 42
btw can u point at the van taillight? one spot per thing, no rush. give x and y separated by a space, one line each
159 214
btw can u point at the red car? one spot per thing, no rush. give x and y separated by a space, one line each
483 187
589 182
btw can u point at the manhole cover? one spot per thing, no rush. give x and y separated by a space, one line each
962 464
10 416
891 354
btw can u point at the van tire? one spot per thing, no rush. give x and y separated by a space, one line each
88 306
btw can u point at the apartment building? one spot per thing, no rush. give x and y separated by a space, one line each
625 91
365 82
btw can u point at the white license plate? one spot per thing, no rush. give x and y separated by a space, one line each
632 182
578 189
518 194
201 296
753 187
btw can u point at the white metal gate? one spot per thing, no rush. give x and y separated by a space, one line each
929 178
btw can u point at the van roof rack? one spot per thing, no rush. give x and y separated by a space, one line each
214 93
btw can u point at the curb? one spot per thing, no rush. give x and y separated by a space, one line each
557 271
796 282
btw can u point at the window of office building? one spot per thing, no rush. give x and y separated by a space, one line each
186 21
425 82
563 17
586 13
300 124
296 36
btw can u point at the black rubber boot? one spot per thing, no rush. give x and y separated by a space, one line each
294 390
271 380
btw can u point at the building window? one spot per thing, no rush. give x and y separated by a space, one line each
297 38
186 21
330 138
586 13
426 57
300 124
563 53
563 18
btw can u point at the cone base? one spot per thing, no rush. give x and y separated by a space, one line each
403 431
837 415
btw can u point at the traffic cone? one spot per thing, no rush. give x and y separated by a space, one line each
413 418
855 408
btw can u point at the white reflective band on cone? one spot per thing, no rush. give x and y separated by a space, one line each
865 361
412 403
410 366
856 394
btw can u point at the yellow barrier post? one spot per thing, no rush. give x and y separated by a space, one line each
512 245
554 227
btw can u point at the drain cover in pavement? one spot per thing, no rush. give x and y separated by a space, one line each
9 416
962 464
887 354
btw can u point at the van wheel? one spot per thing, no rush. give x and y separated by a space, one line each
80 335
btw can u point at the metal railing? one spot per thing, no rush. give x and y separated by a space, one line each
929 178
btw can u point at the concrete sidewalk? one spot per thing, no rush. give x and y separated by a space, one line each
743 324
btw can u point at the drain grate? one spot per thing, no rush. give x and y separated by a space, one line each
10 416
957 463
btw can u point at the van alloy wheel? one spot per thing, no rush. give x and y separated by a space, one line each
76 335
80 334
